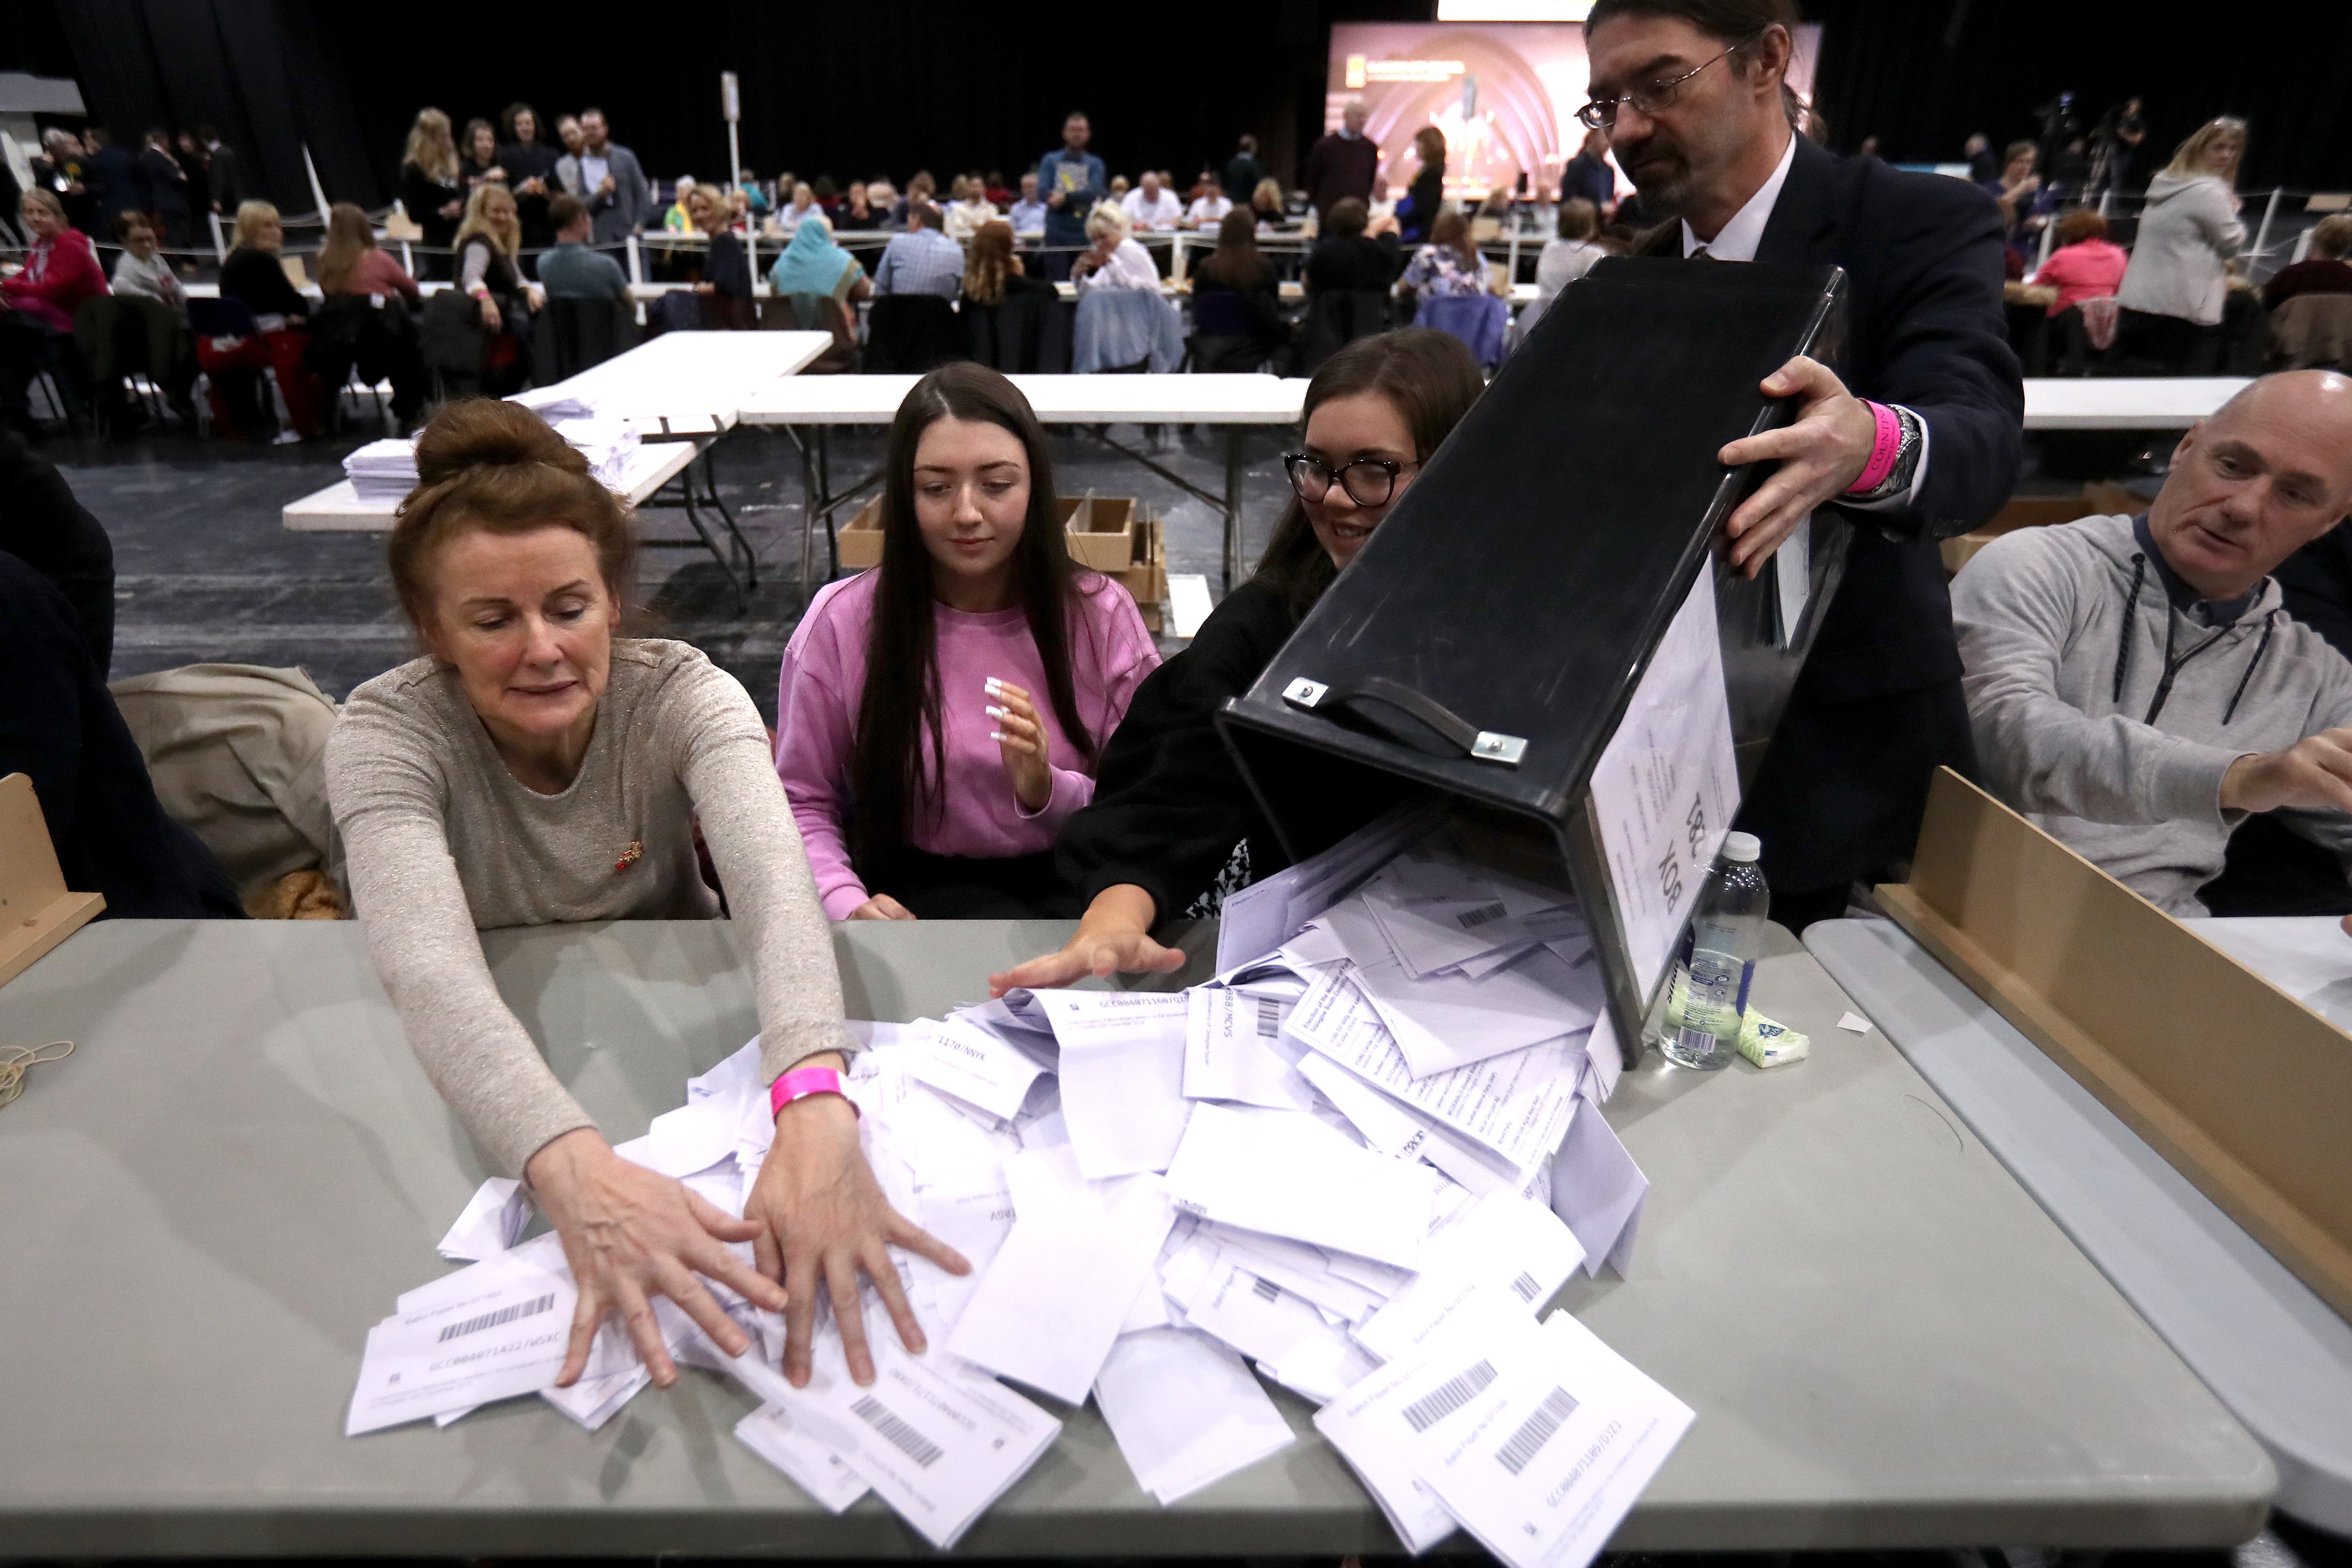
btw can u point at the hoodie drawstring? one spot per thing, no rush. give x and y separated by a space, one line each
2123 640
2270 623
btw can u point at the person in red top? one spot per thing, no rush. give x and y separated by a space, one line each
2086 264
37 303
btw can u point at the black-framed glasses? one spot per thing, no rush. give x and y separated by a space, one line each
1601 114
1368 481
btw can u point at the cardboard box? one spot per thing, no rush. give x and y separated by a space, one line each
1100 530
2236 1083
1145 577
2096 500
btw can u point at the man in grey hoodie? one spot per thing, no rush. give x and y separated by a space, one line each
2134 684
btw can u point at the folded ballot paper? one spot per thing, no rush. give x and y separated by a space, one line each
1357 1165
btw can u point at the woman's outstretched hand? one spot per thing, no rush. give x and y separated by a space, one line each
630 1235
1115 938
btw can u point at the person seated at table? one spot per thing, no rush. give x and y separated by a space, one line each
490 269
141 268
922 260
1027 214
677 217
939 717
378 338
972 210
1237 268
993 271
1210 207
1266 204
798 207
534 767
812 264
726 272
1355 252
253 274
1173 826
2323 271
2136 686
2085 265
1115 261
855 215
1151 207
572 270
351 263
37 302
1449 265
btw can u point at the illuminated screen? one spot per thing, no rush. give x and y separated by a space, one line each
1505 93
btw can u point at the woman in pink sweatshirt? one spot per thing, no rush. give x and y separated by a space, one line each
939 717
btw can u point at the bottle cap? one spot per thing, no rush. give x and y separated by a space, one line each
1742 846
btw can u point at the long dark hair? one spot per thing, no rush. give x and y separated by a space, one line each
890 774
1236 263
1429 377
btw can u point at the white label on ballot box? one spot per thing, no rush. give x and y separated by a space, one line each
1666 785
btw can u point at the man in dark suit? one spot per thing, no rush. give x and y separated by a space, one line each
1924 444
116 182
225 181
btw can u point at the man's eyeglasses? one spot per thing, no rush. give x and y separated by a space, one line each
1601 114
1368 481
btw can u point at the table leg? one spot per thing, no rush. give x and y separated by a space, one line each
1233 503
719 502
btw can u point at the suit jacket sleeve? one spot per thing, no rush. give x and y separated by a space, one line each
629 186
1941 350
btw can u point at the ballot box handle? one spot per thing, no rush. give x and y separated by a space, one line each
1479 745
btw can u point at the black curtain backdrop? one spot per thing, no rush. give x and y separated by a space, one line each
891 86
1921 76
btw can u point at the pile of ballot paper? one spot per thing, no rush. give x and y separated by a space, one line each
383 472
1362 1159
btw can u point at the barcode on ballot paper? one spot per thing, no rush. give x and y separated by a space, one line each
1269 1016
1536 1431
1448 1397
1471 920
1267 1289
531 1309
899 1436
1526 1286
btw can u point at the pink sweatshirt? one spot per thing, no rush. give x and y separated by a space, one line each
824 679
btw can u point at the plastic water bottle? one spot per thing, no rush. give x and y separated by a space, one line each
1718 960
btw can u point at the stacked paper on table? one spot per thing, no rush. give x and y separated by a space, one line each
1363 1152
383 471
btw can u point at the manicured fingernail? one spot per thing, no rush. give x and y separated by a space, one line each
998 735
996 712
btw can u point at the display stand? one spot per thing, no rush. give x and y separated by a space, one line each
2240 1087
1526 632
37 913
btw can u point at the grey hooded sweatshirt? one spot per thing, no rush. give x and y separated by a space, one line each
2106 709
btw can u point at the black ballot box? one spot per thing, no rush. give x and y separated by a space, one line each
1543 631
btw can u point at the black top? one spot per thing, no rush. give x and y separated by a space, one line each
45 526
424 196
1170 806
2315 585
1878 707
221 175
498 276
59 724
727 269
167 182
1261 301
1427 195
1337 166
255 277
532 160
1241 175
1358 261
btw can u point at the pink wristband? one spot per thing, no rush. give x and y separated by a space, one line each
802 1082
1884 450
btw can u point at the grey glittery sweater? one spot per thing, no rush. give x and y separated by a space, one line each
443 842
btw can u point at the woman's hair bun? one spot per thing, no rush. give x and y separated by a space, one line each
486 432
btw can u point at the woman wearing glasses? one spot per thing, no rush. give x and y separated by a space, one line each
1172 826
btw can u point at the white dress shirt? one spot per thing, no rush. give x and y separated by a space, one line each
1738 239
1163 211
1129 266
1208 212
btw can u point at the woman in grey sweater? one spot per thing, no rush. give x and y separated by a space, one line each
2174 289
532 768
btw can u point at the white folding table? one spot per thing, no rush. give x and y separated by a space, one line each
1232 401
682 391
2125 403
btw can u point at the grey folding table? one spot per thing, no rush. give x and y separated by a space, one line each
2276 1353
241 1164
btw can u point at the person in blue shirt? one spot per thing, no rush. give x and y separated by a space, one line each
1073 181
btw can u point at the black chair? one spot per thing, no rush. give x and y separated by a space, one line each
1224 334
1027 331
138 355
574 334
1338 318
912 332
806 313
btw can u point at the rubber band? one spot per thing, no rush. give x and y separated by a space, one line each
1884 450
17 1061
